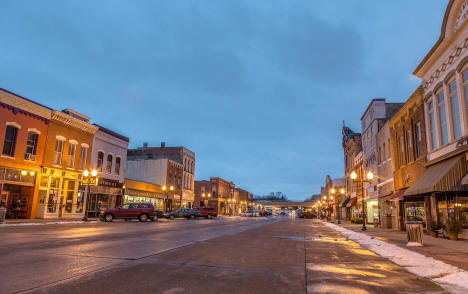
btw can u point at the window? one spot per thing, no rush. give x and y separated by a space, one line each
117 165
71 155
455 110
58 152
83 154
109 163
402 151
389 154
409 141
10 141
100 161
432 126
384 158
418 140
31 145
465 86
379 155
442 118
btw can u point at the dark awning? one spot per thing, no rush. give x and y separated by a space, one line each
396 196
345 201
352 202
442 177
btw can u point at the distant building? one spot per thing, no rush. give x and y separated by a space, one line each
216 192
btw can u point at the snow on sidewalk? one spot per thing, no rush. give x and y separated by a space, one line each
46 223
451 278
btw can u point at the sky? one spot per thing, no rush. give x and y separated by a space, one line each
258 89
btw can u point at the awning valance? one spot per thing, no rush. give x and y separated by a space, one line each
442 177
396 196
352 202
134 192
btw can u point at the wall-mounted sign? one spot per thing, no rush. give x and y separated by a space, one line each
90 181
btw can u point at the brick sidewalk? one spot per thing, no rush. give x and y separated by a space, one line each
451 252
49 220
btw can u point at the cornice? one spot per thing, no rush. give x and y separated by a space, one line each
68 120
24 104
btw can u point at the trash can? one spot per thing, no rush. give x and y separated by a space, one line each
2 214
414 232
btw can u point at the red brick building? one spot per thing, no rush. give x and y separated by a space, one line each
216 192
23 130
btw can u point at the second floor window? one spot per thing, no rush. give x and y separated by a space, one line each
100 161
409 141
58 152
31 145
109 164
418 140
71 155
117 165
10 141
432 126
455 110
402 151
384 158
442 118
83 154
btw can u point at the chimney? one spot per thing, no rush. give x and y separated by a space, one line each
163 144
145 145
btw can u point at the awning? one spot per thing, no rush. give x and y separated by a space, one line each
442 177
352 202
134 192
345 201
396 196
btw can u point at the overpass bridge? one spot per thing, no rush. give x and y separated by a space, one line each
284 204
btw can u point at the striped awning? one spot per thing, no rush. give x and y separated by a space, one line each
442 177
352 202
396 196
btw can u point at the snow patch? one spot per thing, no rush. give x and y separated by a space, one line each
449 277
414 244
47 223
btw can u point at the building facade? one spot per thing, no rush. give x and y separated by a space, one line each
23 130
444 74
385 186
218 193
180 155
66 155
108 158
141 192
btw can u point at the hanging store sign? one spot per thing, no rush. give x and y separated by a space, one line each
90 181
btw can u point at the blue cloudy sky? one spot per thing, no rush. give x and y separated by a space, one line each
258 89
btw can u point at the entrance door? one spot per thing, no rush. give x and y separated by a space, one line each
4 199
60 207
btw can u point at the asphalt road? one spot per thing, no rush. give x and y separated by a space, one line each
234 255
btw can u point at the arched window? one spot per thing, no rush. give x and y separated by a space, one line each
100 161
455 109
442 117
117 166
109 163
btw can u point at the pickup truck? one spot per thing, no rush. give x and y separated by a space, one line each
206 212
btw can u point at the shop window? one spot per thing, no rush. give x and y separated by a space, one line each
100 161
402 151
79 201
409 142
44 182
455 110
83 155
415 211
117 165
442 118
432 126
52 201
109 164
58 152
71 155
418 140
31 146
10 141
70 193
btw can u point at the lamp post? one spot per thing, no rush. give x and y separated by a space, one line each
88 177
354 177
171 188
338 202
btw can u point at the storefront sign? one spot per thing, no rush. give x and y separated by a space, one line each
110 183
90 181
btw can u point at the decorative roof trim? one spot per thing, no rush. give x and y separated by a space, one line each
68 120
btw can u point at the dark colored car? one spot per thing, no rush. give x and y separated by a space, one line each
207 212
182 213
306 214
140 211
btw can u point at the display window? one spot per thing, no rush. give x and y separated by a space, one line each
415 211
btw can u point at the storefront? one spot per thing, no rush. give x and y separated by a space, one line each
58 194
372 211
17 191
105 195
138 196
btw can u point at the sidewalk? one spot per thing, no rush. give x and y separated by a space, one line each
452 252
26 222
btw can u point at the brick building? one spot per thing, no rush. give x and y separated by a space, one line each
23 130
218 193
66 155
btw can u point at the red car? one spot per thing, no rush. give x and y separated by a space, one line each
207 212
140 211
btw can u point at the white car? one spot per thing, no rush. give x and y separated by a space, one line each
251 213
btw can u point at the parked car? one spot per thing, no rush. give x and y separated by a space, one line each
182 213
207 212
251 213
265 213
140 211
306 214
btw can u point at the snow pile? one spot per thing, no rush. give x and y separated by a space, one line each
47 223
450 277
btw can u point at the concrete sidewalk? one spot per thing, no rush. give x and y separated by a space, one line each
451 252
49 220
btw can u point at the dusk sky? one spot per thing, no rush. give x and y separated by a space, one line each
257 89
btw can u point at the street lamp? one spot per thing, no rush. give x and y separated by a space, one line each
203 196
88 177
171 188
338 202
354 177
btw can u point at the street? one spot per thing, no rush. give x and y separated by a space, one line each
225 255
